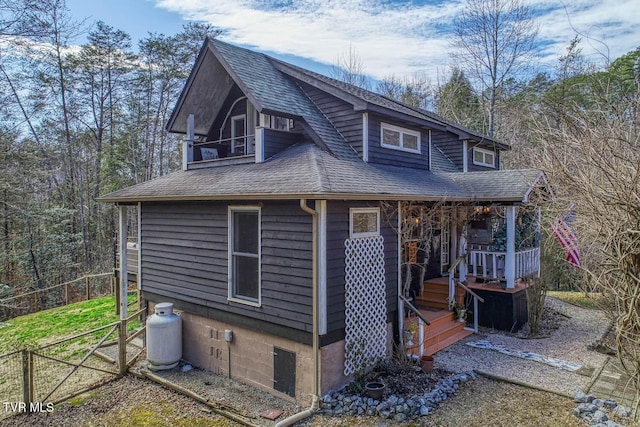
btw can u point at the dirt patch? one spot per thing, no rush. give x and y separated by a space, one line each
127 401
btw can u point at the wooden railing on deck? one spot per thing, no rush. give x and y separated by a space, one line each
491 264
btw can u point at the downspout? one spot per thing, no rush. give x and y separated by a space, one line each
315 399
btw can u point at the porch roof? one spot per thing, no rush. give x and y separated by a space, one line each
515 185
306 171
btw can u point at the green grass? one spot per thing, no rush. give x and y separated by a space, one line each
36 329
581 299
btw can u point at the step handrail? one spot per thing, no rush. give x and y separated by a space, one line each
476 298
470 291
415 310
456 263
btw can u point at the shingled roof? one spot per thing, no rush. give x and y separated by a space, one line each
306 171
328 169
500 185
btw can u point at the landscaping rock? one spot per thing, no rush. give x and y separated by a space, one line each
398 408
594 411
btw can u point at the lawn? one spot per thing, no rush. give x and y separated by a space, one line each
36 329
581 299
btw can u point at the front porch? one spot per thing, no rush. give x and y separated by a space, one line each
488 304
443 329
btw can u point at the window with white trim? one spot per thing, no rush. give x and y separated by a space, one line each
277 122
244 254
398 138
482 157
364 222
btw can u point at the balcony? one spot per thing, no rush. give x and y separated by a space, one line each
230 150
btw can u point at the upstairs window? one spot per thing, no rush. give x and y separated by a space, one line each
244 254
277 122
398 138
364 222
482 157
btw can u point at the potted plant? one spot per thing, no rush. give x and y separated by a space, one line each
408 334
459 310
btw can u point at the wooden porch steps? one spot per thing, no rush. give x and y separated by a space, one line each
435 293
443 331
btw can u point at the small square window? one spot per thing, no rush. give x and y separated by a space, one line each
482 157
364 222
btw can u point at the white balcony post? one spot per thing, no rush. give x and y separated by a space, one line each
510 258
259 145
187 144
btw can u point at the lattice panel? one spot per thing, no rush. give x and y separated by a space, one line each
365 303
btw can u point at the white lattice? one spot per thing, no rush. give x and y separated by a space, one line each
365 303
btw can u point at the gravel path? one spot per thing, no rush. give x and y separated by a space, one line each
577 327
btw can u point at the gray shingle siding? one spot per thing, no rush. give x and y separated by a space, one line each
340 113
450 145
276 141
185 251
337 233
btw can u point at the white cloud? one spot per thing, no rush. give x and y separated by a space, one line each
400 37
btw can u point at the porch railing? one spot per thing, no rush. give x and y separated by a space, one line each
491 264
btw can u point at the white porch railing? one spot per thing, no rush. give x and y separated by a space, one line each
491 264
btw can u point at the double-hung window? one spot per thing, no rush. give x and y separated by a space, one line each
244 254
399 138
482 157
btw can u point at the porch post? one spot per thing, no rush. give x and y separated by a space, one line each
122 215
510 258
462 250
453 253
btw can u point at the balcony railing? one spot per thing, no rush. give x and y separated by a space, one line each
490 265
223 148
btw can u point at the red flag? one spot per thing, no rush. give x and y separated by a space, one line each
567 238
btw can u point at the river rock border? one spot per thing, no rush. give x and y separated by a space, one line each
397 408
595 412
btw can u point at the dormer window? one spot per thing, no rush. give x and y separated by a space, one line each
277 122
398 138
482 157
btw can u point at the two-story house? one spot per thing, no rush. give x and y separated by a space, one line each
279 227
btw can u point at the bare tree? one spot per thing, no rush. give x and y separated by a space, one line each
350 69
415 90
494 40
594 161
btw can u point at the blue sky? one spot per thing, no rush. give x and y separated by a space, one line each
390 36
